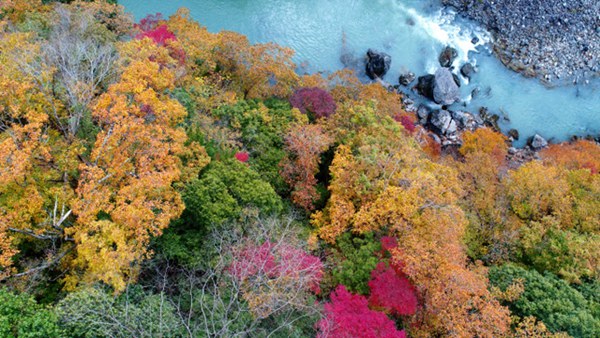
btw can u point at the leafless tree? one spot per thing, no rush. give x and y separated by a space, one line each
82 59
213 300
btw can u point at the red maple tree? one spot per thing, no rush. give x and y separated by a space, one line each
348 315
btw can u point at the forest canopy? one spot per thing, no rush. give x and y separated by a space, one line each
157 179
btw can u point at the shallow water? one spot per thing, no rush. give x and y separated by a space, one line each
413 32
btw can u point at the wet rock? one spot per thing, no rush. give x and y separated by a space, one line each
475 40
475 92
465 120
537 142
442 122
423 113
467 70
407 78
456 79
378 64
447 56
445 90
425 86
513 134
489 119
409 105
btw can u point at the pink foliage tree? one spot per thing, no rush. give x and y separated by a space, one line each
348 315
313 101
160 35
242 156
150 22
407 122
275 276
392 291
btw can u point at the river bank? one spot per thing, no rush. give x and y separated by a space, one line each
556 41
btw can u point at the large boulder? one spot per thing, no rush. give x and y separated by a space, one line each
445 90
537 142
447 56
425 86
423 113
442 122
378 64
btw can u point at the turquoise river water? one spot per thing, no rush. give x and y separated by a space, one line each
413 32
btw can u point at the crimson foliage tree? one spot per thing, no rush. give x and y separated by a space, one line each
348 315
392 291
314 101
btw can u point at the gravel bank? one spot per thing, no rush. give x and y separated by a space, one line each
557 41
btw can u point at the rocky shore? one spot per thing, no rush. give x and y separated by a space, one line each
557 41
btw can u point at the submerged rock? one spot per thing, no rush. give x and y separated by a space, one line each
378 64
467 70
447 56
445 90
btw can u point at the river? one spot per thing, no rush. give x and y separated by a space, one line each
413 32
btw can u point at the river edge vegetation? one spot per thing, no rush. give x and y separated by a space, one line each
159 180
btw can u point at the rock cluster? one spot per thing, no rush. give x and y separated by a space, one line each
557 41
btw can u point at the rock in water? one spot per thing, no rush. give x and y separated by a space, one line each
467 70
407 78
537 142
445 89
513 134
448 56
442 122
425 86
377 64
423 113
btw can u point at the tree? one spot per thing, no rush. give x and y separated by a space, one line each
255 71
257 279
354 260
391 291
315 102
484 159
581 154
559 306
22 316
92 312
82 52
382 182
348 315
304 145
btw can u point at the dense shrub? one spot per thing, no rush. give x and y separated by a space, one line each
355 261
21 316
557 304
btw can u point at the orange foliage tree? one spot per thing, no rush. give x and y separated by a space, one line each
125 193
382 181
98 207
484 158
304 143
